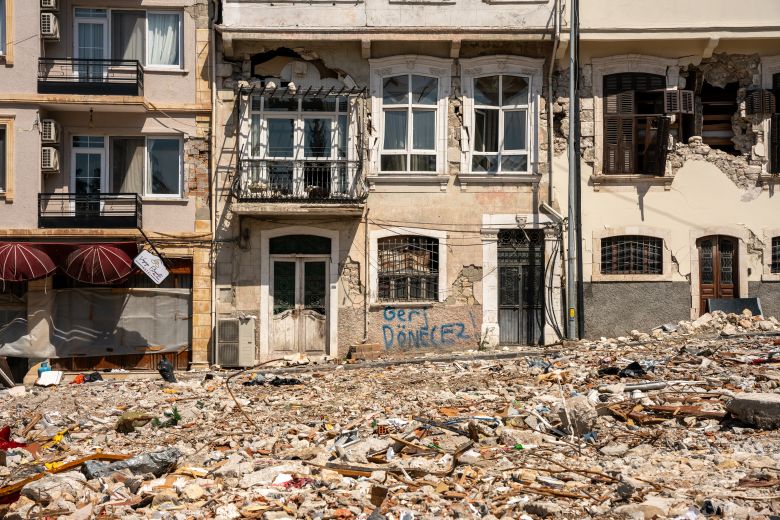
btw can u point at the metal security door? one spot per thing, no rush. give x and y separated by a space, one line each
520 289
299 313
717 269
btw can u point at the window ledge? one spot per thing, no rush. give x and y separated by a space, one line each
377 306
631 180
163 70
770 277
404 179
172 200
598 277
498 178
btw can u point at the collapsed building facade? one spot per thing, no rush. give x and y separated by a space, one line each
680 156
381 173
104 131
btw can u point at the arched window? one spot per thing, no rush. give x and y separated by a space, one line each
632 254
408 268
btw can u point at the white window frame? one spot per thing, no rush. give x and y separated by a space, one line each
438 68
393 231
501 65
180 65
107 161
107 33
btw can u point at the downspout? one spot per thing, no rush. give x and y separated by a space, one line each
365 279
550 138
213 181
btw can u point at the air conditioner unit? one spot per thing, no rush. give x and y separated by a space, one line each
50 27
236 342
50 159
50 131
50 5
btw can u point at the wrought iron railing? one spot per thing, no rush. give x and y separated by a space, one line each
93 210
90 77
325 181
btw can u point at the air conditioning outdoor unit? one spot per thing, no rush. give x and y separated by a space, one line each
236 342
50 131
50 27
50 159
50 5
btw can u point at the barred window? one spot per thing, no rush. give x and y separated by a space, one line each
408 268
631 254
775 267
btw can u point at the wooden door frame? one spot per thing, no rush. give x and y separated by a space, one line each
332 338
741 235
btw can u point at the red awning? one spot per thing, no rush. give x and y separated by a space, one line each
20 262
98 264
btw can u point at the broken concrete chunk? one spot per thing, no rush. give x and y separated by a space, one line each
759 409
581 413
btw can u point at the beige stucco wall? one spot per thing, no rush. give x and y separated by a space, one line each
22 210
518 15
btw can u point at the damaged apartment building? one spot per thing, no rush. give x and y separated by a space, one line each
383 177
104 152
680 156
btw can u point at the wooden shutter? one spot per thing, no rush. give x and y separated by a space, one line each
619 132
678 101
774 144
759 102
658 147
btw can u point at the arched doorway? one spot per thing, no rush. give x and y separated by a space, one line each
718 269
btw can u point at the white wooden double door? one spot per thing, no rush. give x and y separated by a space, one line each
299 304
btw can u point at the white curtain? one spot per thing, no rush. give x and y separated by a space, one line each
163 39
395 129
2 27
424 130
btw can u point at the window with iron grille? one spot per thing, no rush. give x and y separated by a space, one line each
774 128
631 254
408 268
775 266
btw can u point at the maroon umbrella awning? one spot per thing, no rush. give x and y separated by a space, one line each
98 263
20 262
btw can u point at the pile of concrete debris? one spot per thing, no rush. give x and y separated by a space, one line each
680 423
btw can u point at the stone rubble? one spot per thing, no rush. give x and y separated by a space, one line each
680 422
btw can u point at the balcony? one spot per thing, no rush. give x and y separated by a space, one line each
89 211
324 186
90 77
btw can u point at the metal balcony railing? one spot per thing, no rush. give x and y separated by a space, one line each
321 181
93 210
90 77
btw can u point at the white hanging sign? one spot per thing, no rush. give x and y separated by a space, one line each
152 265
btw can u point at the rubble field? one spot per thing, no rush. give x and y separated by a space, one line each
678 423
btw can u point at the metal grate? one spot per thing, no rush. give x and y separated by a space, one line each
775 266
408 268
631 254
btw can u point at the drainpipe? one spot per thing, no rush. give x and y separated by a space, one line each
572 260
550 138
365 279
213 181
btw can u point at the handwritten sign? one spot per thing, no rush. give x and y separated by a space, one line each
152 265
